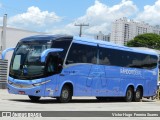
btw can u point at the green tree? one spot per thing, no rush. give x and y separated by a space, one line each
149 40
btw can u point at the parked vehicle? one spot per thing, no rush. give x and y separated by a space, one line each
64 66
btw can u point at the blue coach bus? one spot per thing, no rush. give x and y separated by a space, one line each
63 66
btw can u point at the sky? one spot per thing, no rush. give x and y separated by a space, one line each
60 16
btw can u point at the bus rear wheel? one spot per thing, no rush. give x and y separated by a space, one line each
138 95
34 98
66 94
129 95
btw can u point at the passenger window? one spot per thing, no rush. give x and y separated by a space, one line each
80 53
108 56
54 64
62 43
104 56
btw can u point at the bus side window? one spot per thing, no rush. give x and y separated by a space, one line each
94 60
51 65
104 57
62 43
54 64
106 61
80 53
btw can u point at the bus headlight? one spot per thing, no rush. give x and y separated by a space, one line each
41 83
10 82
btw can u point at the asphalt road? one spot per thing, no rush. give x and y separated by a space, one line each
10 102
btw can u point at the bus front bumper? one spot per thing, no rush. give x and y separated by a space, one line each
33 91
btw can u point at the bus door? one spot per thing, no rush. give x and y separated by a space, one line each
53 68
96 80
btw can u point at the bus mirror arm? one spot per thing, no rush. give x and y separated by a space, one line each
5 52
47 51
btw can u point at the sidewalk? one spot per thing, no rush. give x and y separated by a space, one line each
5 95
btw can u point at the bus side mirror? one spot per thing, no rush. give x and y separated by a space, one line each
47 51
5 52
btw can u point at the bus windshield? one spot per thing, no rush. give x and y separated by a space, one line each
26 63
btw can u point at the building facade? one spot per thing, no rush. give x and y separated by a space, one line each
124 30
101 36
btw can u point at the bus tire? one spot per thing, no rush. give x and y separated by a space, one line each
66 94
129 95
34 98
138 95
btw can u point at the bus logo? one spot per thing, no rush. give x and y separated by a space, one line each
130 71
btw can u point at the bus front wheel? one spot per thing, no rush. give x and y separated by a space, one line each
34 98
129 95
66 94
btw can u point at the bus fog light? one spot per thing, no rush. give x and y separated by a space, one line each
37 91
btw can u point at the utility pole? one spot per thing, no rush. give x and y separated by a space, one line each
81 25
3 35
3 63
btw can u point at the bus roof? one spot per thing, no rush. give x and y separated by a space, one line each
114 46
87 40
45 37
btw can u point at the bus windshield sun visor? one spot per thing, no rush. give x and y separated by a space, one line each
47 51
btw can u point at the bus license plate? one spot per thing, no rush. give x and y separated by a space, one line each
21 92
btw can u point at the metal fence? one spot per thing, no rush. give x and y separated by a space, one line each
3 73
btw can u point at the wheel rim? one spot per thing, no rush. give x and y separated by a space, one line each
65 94
138 94
129 94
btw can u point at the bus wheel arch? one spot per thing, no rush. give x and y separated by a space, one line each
138 94
129 93
66 93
